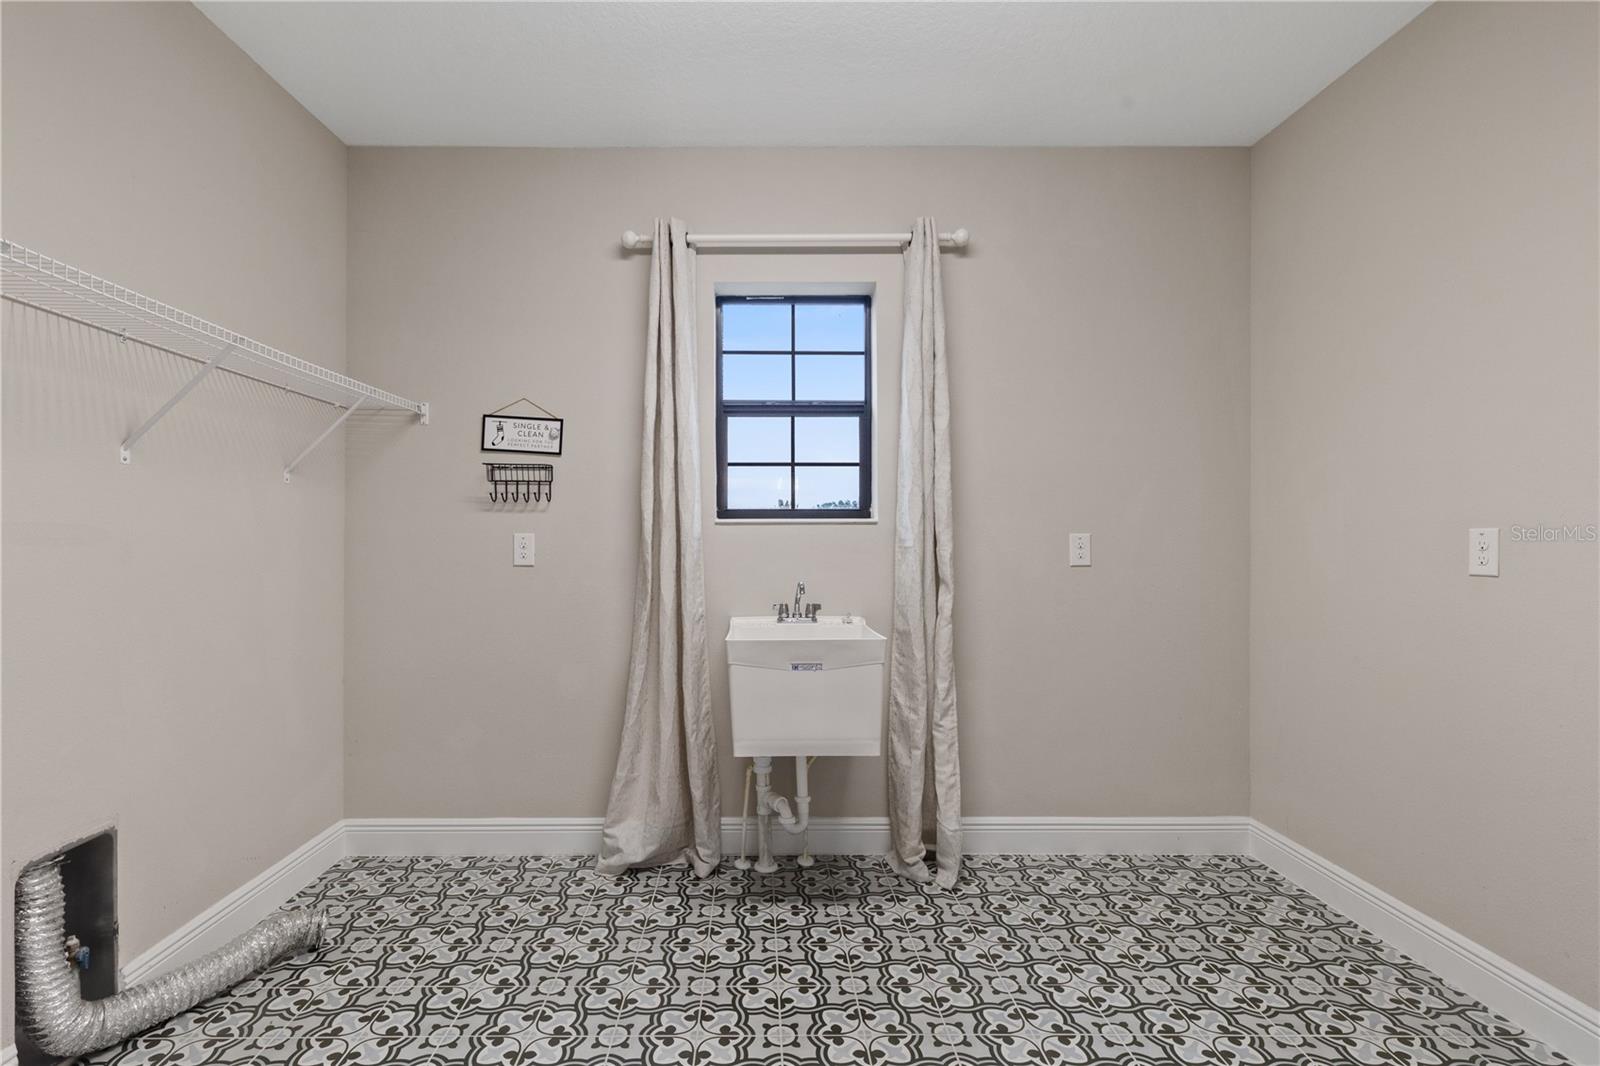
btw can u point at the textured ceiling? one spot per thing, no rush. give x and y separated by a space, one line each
675 74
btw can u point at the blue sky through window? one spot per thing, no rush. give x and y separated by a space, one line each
755 327
798 352
827 440
825 487
754 488
822 327
755 377
830 377
765 439
758 440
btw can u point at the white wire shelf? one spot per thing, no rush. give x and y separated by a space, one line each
35 280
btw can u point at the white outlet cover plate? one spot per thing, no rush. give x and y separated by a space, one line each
1078 549
522 549
1483 552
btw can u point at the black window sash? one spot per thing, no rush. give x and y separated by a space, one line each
795 409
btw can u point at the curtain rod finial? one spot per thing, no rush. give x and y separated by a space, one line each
960 237
631 240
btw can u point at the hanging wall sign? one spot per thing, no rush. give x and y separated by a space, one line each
517 433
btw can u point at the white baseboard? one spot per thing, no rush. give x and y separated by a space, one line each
1022 836
472 836
575 836
1545 1011
579 836
240 909
827 836
1222 835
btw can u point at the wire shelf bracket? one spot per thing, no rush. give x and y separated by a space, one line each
125 453
337 422
34 280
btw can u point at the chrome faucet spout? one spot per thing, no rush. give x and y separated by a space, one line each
801 611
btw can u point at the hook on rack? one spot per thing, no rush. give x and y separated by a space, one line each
519 482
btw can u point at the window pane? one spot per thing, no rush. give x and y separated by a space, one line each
827 440
755 377
755 327
830 377
758 488
827 487
830 327
758 440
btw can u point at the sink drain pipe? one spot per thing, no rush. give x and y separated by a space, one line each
51 1008
795 818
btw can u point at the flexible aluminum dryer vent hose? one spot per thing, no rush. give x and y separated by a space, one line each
61 1022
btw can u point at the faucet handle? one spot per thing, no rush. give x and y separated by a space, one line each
812 610
782 609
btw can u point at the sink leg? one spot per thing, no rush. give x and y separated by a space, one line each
764 860
743 862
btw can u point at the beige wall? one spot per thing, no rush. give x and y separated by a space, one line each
1423 318
1424 358
173 629
1098 326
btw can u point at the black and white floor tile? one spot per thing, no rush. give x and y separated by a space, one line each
1125 960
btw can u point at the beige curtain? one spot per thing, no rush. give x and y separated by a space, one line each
665 801
924 767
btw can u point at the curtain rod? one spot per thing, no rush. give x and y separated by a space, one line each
637 241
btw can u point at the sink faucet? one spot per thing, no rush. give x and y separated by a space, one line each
801 612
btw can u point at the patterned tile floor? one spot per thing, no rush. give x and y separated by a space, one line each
1051 960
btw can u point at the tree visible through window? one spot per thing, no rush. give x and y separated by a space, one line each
794 418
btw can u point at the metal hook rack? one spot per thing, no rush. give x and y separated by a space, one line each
520 482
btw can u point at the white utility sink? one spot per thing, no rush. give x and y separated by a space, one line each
805 688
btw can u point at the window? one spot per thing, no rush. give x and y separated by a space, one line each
794 407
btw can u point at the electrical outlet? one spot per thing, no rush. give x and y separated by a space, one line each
1483 552
522 549
1078 549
